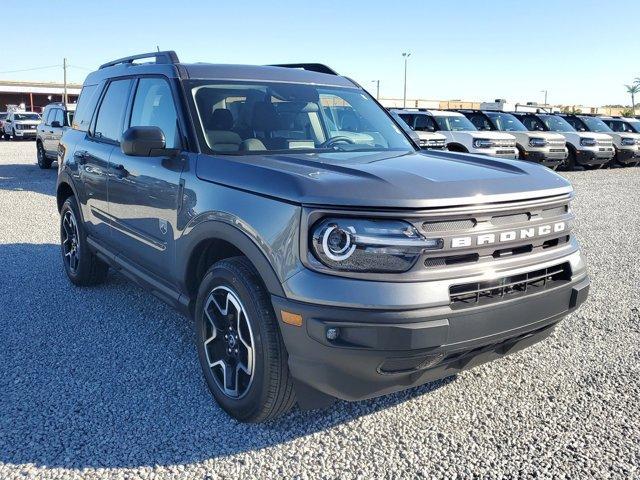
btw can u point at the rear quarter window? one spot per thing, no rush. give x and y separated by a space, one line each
85 108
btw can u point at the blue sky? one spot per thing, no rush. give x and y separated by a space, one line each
580 51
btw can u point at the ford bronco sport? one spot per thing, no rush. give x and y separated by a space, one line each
547 148
625 144
321 253
591 150
56 118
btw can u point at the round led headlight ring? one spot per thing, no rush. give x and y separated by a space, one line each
337 244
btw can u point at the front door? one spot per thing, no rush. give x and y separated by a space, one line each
93 156
144 191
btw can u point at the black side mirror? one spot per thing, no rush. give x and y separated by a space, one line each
7 121
56 124
142 141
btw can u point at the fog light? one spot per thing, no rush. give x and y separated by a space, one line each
332 333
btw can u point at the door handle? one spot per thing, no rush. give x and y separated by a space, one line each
81 156
121 172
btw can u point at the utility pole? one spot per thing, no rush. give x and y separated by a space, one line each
64 68
377 82
404 98
545 95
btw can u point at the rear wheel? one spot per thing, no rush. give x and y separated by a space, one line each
240 348
43 161
82 266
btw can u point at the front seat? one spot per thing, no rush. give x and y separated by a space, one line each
264 122
219 134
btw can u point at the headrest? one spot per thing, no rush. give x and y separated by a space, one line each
264 118
221 119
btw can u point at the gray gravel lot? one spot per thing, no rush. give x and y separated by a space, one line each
105 382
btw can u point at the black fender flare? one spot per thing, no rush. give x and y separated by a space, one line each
462 148
218 230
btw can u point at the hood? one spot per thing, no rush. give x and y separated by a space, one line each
430 135
27 122
545 135
412 180
490 134
596 135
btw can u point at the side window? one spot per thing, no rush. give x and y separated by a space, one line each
154 106
48 117
111 112
85 108
577 124
479 122
407 118
58 116
424 123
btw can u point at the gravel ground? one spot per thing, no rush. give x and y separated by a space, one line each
105 382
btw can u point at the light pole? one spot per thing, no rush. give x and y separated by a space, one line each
404 98
377 82
546 92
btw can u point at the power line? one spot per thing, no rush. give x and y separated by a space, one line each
81 68
30 69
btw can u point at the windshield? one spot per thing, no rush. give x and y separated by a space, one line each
506 122
556 124
634 124
454 123
26 116
243 118
595 125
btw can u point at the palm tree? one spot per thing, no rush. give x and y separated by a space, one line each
632 90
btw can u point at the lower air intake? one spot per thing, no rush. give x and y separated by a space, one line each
481 293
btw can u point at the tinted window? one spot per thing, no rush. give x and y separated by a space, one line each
424 123
58 116
48 116
153 106
109 120
507 122
454 123
86 106
407 118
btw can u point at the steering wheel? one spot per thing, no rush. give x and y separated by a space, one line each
333 140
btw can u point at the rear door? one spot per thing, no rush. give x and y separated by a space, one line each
94 152
144 191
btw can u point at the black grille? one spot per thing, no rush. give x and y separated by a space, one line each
481 293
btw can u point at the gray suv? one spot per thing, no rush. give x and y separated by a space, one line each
320 252
56 118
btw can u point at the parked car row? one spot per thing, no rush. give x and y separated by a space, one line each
550 139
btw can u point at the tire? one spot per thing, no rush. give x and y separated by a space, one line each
43 161
570 162
12 136
82 266
261 387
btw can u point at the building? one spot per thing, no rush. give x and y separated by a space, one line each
34 96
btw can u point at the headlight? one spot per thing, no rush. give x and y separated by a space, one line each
537 142
628 141
18 126
588 142
482 143
358 245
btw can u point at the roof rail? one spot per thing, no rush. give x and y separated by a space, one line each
311 67
168 56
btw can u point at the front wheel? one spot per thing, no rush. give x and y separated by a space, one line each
43 161
241 351
82 266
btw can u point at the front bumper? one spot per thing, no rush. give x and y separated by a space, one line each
595 157
546 158
628 155
31 133
379 351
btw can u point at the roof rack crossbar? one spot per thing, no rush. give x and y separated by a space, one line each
312 67
168 56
